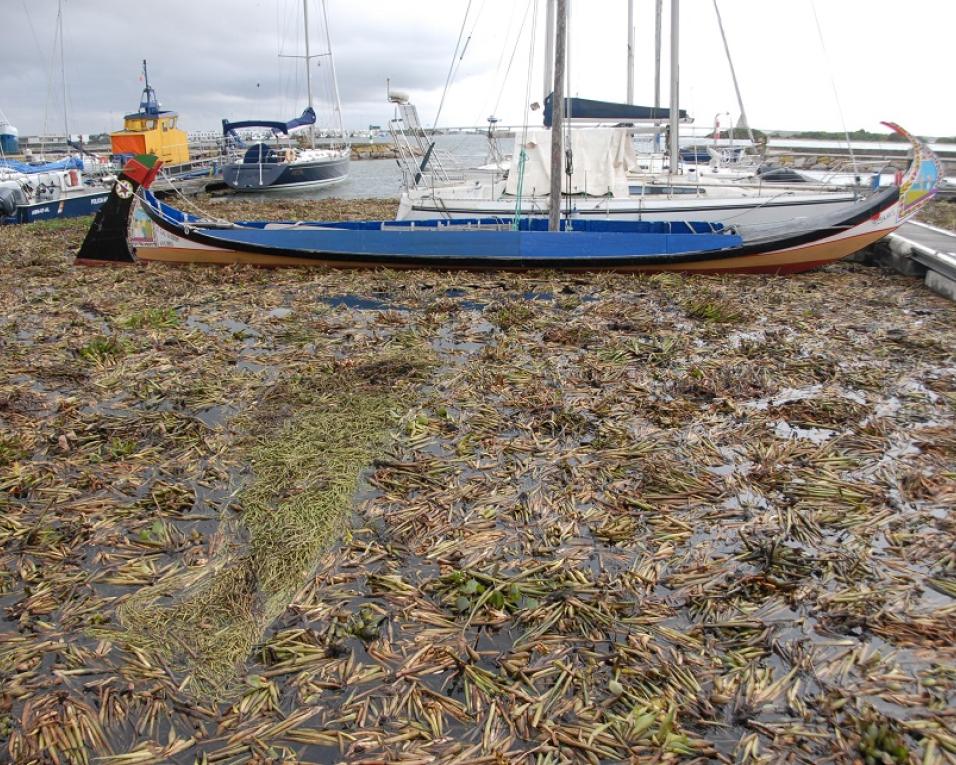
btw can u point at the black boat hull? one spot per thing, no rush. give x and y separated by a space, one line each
277 176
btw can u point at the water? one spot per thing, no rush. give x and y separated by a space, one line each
382 178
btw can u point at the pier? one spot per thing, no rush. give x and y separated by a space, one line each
919 249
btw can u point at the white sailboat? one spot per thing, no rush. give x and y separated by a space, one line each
34 191
622 192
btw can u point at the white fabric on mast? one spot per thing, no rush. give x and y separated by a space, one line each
602 158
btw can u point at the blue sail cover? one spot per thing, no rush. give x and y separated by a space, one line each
68 163
307 118
606 111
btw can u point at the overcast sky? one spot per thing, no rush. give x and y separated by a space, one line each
211 59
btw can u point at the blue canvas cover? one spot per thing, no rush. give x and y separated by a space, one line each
306 118
68 163
607 111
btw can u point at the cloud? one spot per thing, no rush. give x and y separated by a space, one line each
219 58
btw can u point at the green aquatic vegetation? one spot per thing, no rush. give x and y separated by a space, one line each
103 350
151 318
10 450
713 311
311 441
583 539
515 313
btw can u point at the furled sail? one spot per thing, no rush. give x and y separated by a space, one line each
588 110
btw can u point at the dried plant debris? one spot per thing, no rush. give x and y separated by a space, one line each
941 212
317 516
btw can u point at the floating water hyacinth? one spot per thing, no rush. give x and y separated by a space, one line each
366 517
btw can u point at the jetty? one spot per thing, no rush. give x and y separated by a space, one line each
920 249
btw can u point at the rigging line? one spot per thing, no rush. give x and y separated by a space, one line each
511 59
451 68
523 155
464 48
49 90
733 76
524 21
836 95
33 33
66 119
504 45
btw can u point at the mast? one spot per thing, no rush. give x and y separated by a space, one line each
658 15
557 114
675 88
308 66
335 82
733 75
59 21
630 51
548 50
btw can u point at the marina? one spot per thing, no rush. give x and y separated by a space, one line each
586 434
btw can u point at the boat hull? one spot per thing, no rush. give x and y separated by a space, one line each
794 261
761 210
274 176
274 245
67 207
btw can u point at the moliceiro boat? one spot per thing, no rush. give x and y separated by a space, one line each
135 226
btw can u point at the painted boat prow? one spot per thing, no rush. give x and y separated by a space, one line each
921 181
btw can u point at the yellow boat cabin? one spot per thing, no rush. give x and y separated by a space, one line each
151 131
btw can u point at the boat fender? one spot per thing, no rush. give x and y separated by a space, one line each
9 199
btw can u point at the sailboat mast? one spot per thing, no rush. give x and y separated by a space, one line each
335 81
675 88
308 65
557 114
658 15
59 20
548 50
630 51
733 75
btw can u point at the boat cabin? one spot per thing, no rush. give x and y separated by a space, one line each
151 131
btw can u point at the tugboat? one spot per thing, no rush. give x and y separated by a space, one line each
150 131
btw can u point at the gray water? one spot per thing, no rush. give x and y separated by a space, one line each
382 178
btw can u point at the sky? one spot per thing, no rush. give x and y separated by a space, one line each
801 64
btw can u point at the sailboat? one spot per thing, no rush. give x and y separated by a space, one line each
266 167
135 226
626 194
35 191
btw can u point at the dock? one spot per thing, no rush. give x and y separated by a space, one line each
919 249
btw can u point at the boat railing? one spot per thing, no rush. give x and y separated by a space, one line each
418 155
